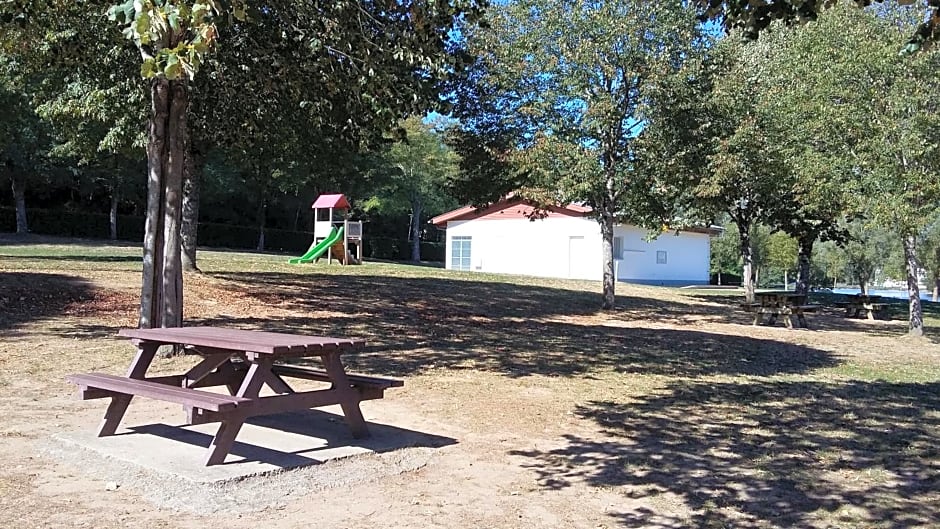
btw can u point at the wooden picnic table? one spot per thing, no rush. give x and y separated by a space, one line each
855 304
780 303
242 361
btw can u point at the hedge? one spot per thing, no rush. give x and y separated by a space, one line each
90 225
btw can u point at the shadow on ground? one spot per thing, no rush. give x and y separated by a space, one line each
414 324
28 296
312 437
764 454
84 258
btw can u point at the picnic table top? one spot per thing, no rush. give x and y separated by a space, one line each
244 340
779 294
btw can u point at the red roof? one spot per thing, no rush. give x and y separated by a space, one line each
331 201
522 208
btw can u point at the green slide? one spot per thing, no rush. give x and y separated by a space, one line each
316 250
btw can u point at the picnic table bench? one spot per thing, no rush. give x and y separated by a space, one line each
855 304
784 304
243 362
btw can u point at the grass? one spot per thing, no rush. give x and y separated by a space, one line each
673 399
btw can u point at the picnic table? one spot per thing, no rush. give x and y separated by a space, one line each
855 304
243 362
780 303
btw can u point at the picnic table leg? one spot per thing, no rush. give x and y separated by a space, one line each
788 320
231 425
201 370
223 441
758 316
802 320
119 403
234 376
348 397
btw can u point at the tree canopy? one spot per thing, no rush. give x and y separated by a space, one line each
754 17
562 86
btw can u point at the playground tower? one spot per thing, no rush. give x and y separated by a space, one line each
330 218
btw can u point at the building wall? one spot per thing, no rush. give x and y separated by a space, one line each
686 254
531 247
570 247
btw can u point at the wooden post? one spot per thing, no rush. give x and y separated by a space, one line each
346 241
329 251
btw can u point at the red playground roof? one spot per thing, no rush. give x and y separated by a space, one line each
331 201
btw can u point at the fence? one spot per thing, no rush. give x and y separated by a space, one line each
131 228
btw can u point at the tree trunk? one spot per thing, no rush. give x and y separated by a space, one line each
161 296
19 200
804 253
916 320
190 227
719 278
936 290
786 280
173 210
747 256
262 213
113 214
151 302
863 287
417 210
609 280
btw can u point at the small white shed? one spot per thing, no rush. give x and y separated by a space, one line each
565 242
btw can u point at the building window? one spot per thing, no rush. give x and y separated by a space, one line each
460 253
660 257
618 247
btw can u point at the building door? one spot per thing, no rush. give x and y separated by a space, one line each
460 253
579 259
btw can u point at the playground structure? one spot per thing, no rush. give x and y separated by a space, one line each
334 235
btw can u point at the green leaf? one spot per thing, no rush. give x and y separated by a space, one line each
174 20
173 70
148 68
122 13
142 27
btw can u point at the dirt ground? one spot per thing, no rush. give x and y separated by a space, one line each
672 411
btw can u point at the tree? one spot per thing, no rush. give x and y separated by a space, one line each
412 175
24 137
96 131
730 161
173 40
568 81
725 253
783 255
880 111
866 252
754 17
830 259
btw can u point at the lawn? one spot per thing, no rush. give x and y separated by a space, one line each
671 411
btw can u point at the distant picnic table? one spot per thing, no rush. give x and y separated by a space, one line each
780 303
856 304
242 361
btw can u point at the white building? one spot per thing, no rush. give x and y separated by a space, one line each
566 243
